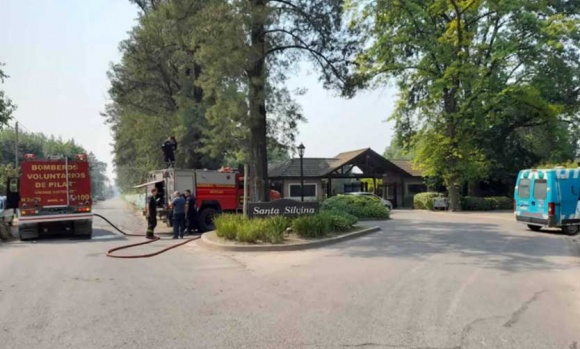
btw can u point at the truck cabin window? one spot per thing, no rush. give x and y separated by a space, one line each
524 188
540 189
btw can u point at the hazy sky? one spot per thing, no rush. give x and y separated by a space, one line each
57 53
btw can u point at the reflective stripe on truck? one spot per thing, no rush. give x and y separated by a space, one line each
54 218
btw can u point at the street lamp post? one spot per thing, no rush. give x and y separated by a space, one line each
301 154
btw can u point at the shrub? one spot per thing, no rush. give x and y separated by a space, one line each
274 228
312 226
424 201
358 206
251 230
237 227
227 225
340 222
473 203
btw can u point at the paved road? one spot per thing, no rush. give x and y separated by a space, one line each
427 280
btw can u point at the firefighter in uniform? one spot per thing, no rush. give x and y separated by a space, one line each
191 212
151 214
169 147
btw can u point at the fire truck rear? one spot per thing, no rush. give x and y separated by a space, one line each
53 196
216 191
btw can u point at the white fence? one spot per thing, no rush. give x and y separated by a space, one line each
136 199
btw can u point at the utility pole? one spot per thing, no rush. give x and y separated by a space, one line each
245 203
16 146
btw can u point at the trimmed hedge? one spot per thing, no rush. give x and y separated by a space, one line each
358 206
424 201
471 203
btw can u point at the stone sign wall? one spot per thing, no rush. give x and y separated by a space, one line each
282 207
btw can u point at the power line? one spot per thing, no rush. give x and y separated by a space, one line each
20 126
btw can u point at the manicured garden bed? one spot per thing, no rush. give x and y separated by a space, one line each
338 216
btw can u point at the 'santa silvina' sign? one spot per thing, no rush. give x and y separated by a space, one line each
282 207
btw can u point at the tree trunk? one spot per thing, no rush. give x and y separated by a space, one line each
454 197
450 107
257 105
197 90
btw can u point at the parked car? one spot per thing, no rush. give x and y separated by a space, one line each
385 202
6 214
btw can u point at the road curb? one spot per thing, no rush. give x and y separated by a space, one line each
206 241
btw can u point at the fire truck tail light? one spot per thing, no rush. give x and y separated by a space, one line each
83 209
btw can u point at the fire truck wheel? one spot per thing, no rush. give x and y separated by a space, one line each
83 229
205 219
28 232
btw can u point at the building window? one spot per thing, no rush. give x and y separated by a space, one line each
309 190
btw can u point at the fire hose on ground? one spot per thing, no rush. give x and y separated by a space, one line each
110 252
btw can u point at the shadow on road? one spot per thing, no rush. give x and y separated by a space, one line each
486 245
99 235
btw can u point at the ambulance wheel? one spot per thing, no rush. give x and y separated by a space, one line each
571 229
205 219
534 227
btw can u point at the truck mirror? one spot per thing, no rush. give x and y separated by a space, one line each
12 193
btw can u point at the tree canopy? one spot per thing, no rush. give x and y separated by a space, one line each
478 79
213 74
6 105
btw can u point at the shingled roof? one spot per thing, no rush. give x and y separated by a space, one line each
313 167
322 167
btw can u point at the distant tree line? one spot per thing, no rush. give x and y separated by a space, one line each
41 146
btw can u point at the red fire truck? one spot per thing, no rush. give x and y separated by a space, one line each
52 195
215 191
